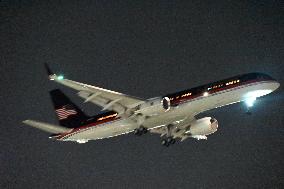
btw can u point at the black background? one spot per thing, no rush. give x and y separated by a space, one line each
144 49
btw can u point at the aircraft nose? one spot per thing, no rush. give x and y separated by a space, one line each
275 85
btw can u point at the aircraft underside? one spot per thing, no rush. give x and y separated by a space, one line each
172 116
178 123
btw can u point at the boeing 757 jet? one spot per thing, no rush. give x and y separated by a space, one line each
172 116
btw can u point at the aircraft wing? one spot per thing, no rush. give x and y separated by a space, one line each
177 130
107 99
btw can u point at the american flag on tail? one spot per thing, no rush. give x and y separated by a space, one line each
65 111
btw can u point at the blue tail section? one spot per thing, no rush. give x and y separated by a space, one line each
68 114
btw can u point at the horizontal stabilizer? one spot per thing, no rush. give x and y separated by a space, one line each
55 129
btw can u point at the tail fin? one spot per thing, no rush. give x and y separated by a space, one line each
69 115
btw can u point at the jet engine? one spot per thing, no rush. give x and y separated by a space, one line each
154 106
204 126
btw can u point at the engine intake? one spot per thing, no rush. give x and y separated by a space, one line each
166 103
154 106
204 126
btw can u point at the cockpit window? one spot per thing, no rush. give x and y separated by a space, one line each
253 76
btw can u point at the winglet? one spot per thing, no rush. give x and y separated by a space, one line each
51 75
48 70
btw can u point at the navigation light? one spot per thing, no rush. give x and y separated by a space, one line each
60 77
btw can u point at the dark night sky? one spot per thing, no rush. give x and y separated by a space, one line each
144 49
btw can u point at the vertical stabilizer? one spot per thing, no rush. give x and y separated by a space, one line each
68 114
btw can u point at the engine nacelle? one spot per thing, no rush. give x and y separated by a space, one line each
154 106
204 126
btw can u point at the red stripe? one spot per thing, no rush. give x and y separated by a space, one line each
62 116
212 91
87 126
177 101
64 111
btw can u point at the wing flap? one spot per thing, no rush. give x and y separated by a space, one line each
105 98
177 130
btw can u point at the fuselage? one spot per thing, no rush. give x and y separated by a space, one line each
184 103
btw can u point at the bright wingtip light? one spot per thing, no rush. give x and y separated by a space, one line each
60 77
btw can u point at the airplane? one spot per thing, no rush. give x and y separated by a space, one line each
172 116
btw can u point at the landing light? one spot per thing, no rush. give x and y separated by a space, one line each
205 94
250 97
258 93
81 141
250 101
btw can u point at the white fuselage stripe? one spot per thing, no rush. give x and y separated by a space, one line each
182 102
